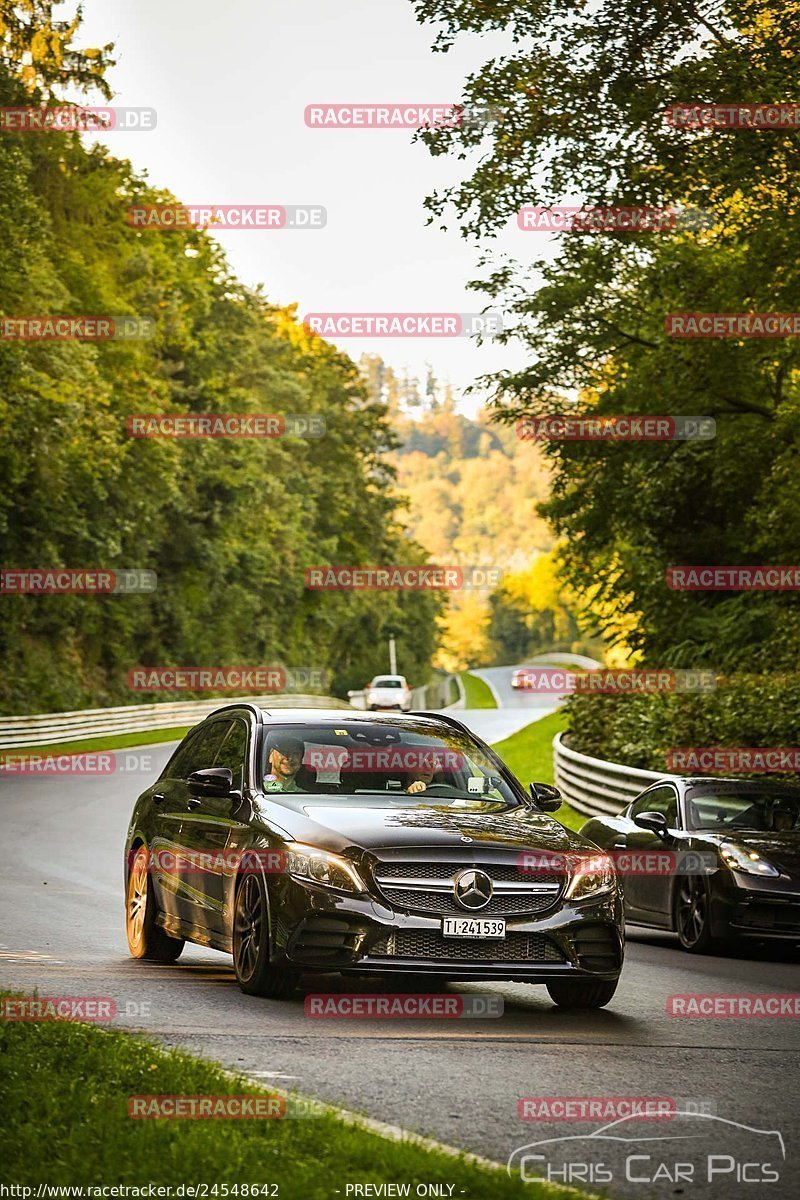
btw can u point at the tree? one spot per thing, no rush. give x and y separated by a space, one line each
583 94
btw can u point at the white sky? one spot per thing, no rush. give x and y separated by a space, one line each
230 84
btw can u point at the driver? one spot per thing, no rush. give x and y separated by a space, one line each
420 781
284 759
783 818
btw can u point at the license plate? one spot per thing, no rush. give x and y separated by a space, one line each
473 927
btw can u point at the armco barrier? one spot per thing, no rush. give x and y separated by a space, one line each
49 728
596 787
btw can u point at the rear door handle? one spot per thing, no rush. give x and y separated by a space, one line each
158 797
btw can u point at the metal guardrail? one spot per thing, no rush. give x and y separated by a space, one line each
50 728
595 787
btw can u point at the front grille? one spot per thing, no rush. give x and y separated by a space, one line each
429 943
500 872
779 916
444 903
516 892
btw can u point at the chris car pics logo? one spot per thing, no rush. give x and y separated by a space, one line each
695 1148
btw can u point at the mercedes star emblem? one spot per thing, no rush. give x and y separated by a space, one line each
472 889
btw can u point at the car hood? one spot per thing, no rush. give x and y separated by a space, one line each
354 825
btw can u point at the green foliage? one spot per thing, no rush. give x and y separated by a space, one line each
228 526
639 730
583 115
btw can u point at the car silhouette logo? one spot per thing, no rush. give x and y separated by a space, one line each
473 889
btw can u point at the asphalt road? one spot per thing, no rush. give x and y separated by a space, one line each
61 931
514 710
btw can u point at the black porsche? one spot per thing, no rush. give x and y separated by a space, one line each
744 838
336 841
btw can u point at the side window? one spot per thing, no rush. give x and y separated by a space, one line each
198 751
661 800
175 767
233 752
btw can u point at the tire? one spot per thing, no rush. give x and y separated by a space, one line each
582 994
145 938
691 917
255 974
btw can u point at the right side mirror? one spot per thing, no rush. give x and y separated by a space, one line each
656 822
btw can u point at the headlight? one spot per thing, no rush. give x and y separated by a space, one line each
593 875
739 858
306 862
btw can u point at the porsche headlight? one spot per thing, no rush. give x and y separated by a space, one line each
306 862
741 858
592 876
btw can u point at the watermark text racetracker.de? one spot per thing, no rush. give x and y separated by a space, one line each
404 324
399 115
89 762
225 425
608 1108
51 581
733 116
628 427
72 328
738 759
732 325
399 1006
619 218
227 679
168 217
73 118
614 681
393 577
756 578
737 1005
623 862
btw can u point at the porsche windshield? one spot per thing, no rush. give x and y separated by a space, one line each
411 763
767 812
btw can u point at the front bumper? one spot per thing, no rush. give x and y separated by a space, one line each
748 907
317 929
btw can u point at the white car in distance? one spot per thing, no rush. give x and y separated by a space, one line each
389 692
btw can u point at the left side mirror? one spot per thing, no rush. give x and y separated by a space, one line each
545 796
654 822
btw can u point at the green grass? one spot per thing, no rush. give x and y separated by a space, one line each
529 754
64 1091
477 693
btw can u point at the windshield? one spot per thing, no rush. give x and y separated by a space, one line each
408 764
766 812
384 682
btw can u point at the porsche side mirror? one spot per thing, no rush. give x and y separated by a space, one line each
545 796
656 822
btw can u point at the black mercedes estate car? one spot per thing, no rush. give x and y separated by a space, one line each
305 841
